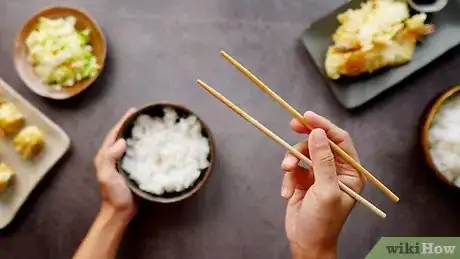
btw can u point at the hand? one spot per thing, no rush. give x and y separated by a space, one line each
317 208
116 195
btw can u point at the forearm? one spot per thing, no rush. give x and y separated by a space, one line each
315 252
104 236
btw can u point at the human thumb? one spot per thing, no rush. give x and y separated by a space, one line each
116 150
323 159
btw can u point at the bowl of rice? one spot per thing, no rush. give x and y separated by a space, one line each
59 52
169 153
440 136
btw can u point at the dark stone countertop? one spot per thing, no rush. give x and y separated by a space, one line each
157 49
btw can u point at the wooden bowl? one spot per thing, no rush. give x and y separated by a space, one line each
25 69
156 110
428 119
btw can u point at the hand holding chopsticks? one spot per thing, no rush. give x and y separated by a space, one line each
288 147
340 152
301 119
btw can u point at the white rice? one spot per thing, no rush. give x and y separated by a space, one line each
444 139
163 155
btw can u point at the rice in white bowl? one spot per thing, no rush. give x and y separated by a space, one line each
166 154
444 139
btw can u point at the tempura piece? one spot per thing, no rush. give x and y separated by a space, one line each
11 119
7 176
29 142
369 38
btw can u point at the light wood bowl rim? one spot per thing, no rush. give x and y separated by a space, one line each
428 120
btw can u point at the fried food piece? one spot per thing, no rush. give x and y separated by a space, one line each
29 142
375 20
370 39
7 176
11 119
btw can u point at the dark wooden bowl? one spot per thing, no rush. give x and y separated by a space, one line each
426 124
25 69
156 110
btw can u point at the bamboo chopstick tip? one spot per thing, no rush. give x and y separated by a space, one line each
392 196
200 82
207 87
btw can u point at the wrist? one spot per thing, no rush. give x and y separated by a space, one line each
313 252
110 212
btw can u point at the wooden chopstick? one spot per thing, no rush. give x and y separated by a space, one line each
284 144
301 119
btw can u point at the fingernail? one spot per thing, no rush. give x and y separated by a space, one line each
319 136
288 162
284 191
309 113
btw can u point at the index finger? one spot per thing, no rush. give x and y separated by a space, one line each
333 132
112 135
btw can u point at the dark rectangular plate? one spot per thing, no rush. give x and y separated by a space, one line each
352 92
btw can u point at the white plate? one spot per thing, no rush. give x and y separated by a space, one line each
28 173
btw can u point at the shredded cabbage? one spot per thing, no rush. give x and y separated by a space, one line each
60 54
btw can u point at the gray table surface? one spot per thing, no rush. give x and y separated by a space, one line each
157 49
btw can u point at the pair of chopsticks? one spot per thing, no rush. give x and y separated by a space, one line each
288 147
